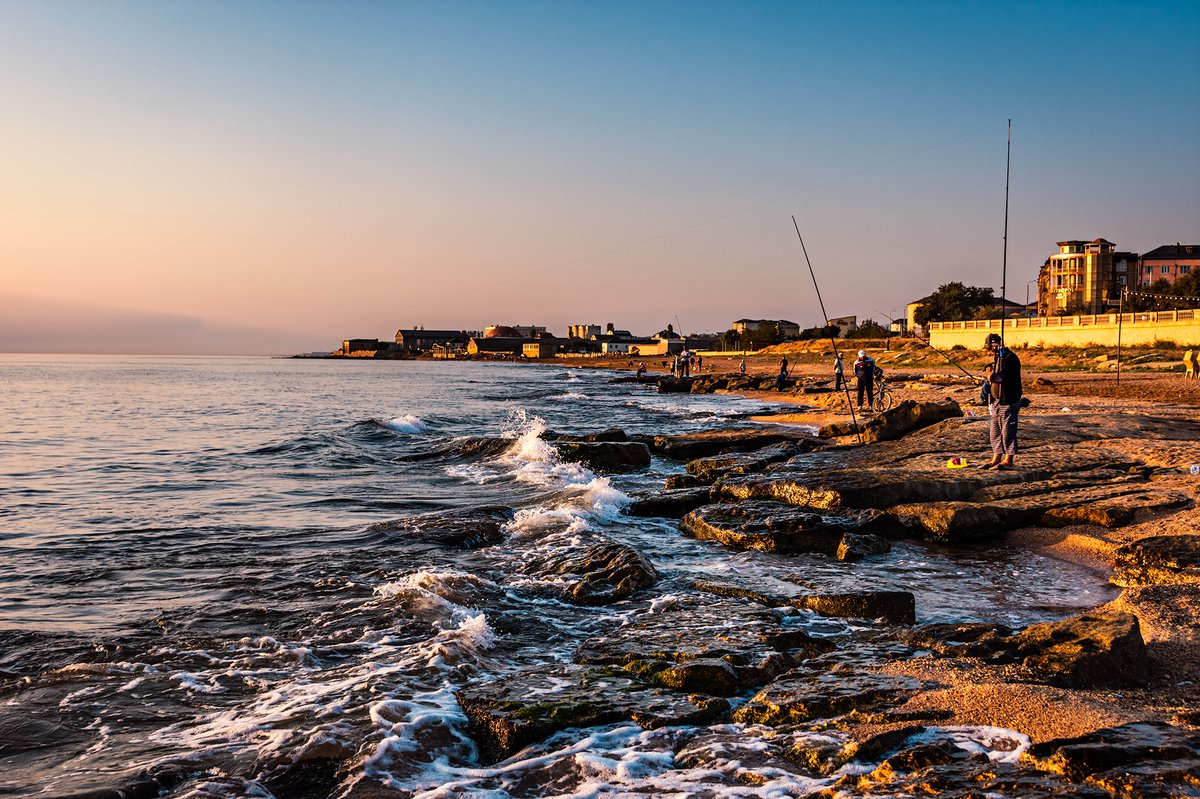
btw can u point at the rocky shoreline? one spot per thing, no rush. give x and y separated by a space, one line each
1108 699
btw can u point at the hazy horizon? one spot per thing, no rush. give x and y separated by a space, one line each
264 179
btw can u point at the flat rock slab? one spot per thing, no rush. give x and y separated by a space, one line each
709 470
672 503
507 714
856 488
897 607
712 442
718 647
605 456
599 574
1141 759
894 607
466 528
897 422
802 695
776 527
1159 560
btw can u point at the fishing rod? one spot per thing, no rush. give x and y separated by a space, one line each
1004 261
832 337
947 357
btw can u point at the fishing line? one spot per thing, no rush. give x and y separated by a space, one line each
832 337
686 228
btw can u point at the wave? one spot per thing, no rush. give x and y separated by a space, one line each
406 424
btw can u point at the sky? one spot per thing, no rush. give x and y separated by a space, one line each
272 177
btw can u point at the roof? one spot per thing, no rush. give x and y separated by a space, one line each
1176 250
420 333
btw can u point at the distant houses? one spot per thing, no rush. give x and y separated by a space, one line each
1088 277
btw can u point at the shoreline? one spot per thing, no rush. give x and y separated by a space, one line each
975 693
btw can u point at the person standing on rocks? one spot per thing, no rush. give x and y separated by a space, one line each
783 373
864 370
838 375
742 366
1003 404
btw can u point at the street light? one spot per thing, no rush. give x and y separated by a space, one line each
1027 285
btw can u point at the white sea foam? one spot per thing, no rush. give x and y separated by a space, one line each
470 473
406 424
999 744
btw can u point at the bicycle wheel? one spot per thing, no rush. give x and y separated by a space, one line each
883 401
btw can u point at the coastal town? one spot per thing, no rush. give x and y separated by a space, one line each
1087 292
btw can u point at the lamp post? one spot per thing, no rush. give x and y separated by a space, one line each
1027 285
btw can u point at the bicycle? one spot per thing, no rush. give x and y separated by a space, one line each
883 397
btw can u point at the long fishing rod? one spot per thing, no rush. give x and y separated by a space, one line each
947 357
832 337
1004 262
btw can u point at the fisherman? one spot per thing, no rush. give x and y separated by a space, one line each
781 380
685 363
1004 403
839 377
742 366
985 387
864 370
699 363
641 370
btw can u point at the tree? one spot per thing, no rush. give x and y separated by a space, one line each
869 329
765 333
952 302
828 331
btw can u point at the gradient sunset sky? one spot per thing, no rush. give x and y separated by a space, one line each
272 177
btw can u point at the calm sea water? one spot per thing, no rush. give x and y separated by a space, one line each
187 577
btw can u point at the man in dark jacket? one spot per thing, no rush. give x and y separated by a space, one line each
1004 403
864 370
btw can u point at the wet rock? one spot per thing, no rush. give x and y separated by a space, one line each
690 446
1140 759
1094 650
709 470
612 434
468 528
895 607
672 503
1159 560
719 648
707 385
767 526
802 695
674 385
599 574
949 639
856 546
682 481
605 456
507 714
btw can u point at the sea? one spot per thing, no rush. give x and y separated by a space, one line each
194 580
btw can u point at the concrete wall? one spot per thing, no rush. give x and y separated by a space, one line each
1182 327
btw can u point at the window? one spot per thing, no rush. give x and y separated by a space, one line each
1166 270
1183 270
1121 279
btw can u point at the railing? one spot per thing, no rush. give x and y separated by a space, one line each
1155 317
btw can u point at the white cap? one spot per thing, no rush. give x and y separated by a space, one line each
862 353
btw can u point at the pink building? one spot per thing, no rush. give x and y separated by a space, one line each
1169 262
